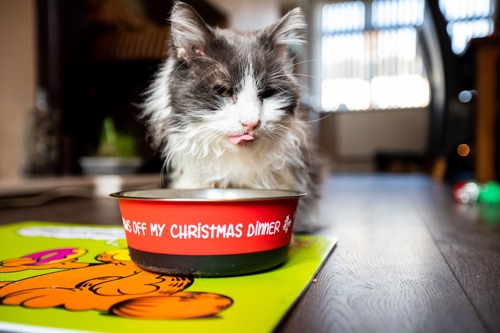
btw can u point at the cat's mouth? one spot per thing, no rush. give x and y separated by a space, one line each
238 139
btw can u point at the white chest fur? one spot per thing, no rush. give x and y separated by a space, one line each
256 166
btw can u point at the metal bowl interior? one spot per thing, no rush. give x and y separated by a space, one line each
211 194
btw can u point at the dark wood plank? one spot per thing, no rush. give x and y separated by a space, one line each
478 271
387 273
103 211
469 239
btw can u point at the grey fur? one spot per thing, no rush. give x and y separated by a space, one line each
205 62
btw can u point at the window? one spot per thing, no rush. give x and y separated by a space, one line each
370 53
370 56
467 19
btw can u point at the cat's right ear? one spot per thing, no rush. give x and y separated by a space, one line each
189 32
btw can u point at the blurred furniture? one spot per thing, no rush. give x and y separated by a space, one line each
408 259
451 122
487 52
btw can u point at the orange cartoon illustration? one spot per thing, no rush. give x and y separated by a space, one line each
114 285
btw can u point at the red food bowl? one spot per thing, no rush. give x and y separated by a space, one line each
208 232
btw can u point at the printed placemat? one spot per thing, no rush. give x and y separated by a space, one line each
79 278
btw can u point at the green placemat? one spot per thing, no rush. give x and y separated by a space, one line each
80 278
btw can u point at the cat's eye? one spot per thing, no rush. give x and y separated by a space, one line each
223 91
268 93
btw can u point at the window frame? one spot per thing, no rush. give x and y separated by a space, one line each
317 49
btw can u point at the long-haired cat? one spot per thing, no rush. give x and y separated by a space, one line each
224 110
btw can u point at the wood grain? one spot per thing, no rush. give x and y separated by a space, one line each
387 273
468 237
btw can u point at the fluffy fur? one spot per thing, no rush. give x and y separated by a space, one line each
224 110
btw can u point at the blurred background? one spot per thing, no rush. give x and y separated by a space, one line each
392 85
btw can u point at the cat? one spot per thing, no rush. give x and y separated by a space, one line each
224 110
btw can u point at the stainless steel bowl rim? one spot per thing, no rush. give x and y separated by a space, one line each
209 194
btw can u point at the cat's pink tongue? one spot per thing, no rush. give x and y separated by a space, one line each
236 139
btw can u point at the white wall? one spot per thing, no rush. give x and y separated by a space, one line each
362 134
17 81
249 15
351 139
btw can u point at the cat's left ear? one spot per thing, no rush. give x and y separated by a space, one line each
289 32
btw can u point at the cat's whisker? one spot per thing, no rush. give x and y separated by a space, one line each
305 62
278 132
209 141
165 170
326 115
294 64
279 89
304 75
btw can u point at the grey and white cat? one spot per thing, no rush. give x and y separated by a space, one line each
224 110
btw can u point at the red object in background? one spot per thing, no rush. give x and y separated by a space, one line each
466 192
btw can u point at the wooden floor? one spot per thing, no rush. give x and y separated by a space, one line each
408 259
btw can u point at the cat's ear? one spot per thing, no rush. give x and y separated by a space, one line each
189 32
289 32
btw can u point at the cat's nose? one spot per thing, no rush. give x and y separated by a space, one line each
249 126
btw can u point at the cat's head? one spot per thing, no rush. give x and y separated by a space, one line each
226 84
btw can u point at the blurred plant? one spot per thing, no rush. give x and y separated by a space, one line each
113 143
